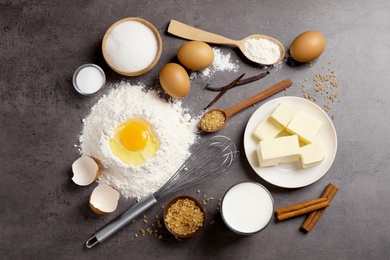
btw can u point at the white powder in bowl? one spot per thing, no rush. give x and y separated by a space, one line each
262 50
131 46
174 128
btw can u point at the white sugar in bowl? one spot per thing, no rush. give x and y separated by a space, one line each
88 79
132 46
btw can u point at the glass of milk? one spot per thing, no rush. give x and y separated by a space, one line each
247 208
88 79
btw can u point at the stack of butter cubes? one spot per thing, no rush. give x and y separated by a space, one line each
286 136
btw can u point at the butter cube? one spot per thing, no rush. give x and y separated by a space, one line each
290 150
282 115
312 154
305 126
268 152
267 129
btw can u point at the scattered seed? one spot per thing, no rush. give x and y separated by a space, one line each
324 85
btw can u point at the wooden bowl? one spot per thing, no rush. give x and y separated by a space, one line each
197 203
144 70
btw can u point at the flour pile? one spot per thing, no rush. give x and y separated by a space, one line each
221 62
174 127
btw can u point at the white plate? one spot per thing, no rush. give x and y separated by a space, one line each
292 175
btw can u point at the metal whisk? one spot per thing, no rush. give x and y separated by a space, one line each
209 160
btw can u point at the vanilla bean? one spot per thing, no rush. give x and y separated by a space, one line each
241 82
223 91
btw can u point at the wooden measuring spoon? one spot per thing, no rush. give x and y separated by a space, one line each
191 33
221 116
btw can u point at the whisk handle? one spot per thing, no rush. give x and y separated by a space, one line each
121 221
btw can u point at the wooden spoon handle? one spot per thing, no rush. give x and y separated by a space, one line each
259 96
191 33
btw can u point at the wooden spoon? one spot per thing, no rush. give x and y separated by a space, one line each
190 33
227 113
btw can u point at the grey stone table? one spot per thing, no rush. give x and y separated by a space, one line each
44 215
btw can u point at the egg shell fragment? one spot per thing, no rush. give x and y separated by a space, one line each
85 171
307 46
104 199
195 55
174 80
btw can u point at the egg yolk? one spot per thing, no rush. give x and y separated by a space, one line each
134 137
134 142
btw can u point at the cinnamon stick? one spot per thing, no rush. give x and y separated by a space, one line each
329 193
299 206
226 88
241 82
303 211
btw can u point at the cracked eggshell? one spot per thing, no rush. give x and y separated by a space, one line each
85 171
104 199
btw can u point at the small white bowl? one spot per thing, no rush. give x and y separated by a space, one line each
88 79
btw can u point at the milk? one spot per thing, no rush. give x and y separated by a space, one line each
247 208
88 79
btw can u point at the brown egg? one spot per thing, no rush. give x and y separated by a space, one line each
195 55
307 46
174 80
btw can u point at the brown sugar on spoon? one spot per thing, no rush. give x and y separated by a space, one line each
216 119
213 120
